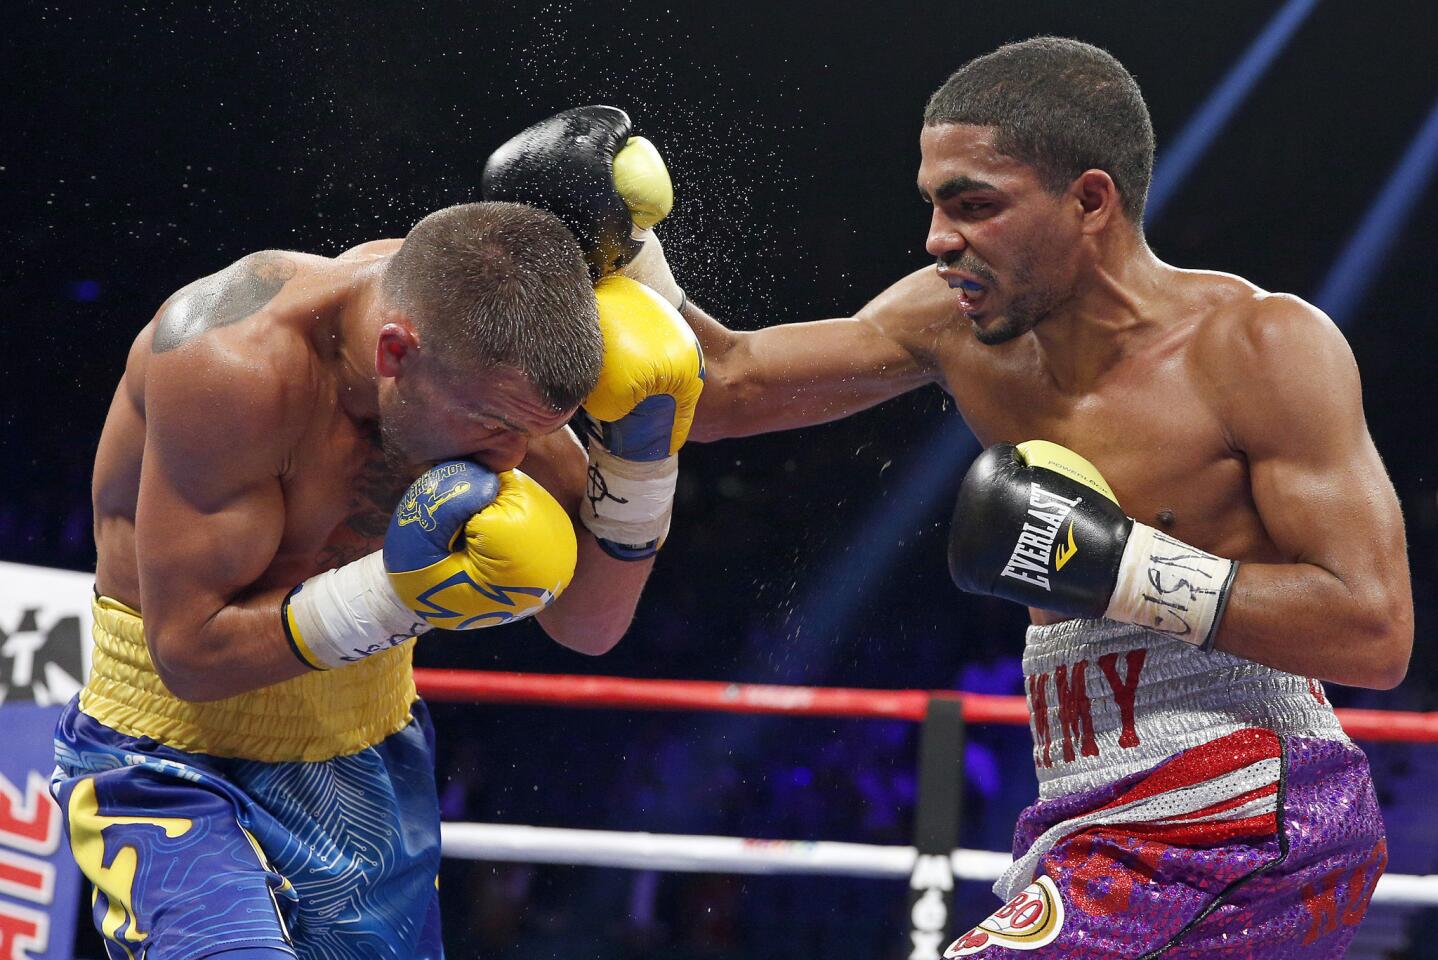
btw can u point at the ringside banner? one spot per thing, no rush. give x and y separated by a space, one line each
44 652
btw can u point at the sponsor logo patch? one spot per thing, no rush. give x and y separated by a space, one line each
1027 922
1063 554
1029 561
429 493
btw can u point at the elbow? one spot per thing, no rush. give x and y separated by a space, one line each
1391 623
1368 635
1391 655
596 646
593 639
1387 648
591 644
186 685
181 671
1384 675
727 394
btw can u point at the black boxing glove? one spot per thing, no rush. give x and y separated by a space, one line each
583 166
1037 524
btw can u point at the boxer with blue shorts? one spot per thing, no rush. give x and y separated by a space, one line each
193 853
308 463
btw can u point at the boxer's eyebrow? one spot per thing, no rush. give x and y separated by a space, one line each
513 427
954 186
505 421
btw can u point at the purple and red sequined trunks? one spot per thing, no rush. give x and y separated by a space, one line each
1190 805
1253 845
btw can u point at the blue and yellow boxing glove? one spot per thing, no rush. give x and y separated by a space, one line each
466 549
638 416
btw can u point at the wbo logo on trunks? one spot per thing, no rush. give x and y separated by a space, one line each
1029 921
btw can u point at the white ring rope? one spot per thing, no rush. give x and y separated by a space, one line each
690 853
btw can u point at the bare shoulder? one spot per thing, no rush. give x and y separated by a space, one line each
914 312
227 296
371 249
1250 333
1272 359
241 390
234 331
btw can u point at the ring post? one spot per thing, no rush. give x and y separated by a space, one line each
937 814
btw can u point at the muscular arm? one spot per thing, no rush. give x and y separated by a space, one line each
594 612
210 515
797 374
1343 609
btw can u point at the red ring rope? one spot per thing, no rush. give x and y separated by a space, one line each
471 686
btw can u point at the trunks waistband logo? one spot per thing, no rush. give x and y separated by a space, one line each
1029 561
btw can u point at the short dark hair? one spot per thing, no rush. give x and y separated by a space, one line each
502 284
1059 106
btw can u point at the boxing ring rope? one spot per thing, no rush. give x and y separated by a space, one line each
570 690
678 852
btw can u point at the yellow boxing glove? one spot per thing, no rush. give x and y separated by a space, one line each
466 549
652 361
640 413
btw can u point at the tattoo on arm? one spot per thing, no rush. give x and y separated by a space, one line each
238 291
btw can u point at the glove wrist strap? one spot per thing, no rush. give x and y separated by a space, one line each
344 615
628 503
1169 587
651 268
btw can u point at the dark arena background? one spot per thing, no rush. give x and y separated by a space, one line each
147 144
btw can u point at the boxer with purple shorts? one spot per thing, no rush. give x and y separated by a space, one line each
1197 795
1223 814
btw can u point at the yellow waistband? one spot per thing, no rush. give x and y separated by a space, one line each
317 716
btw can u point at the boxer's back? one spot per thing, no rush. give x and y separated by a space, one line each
257 331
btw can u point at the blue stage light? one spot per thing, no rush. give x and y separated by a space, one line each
85 291
843 585
1178 158
1361 261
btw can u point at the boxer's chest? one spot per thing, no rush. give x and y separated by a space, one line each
1152 434
339 494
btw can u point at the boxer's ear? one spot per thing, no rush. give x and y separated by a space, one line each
1097 200
396 349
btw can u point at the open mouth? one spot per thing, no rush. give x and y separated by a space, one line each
971 294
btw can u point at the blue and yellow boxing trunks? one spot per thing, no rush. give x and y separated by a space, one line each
313 846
